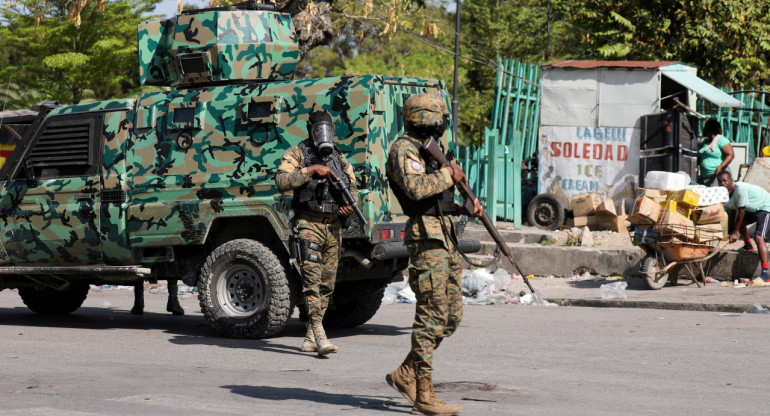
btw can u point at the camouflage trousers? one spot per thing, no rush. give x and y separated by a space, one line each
318 277
435 276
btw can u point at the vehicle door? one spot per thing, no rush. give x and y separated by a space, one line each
48 207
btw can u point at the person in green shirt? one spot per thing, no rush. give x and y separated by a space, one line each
751 204
714 155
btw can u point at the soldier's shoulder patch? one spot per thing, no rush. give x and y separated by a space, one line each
414 166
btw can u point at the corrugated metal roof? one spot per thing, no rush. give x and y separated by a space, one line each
608 64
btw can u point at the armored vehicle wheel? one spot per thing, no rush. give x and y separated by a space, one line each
649 270
48 301
353 304
244 292
546 211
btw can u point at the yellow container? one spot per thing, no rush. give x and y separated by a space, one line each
685 197
674 206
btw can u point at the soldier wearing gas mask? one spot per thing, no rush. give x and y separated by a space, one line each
426 191
304 169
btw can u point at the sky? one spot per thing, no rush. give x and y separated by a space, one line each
169 8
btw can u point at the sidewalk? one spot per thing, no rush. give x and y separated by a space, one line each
685 296
555 265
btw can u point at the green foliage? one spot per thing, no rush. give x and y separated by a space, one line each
728 40
63 61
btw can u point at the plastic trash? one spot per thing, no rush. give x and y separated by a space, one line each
106 304
502 279
483 274
473 286
615 290
757 308
406 295
389 298
711 280
666 181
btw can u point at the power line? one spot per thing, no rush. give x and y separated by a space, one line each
429 43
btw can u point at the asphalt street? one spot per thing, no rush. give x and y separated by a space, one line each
504 360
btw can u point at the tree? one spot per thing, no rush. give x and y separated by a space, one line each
62 60
728 40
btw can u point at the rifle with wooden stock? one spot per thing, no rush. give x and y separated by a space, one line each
431 147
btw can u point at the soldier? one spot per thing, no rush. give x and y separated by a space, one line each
426 193
172 305
303 168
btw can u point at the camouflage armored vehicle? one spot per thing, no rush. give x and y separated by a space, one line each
179 184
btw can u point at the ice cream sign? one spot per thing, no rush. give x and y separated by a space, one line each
580 160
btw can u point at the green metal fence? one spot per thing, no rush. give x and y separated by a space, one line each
748 124
495 168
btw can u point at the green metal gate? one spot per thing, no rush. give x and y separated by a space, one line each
510 142
748 124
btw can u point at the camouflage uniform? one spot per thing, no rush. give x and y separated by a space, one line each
435 271
322 229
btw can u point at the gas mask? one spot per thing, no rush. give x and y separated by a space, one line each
323 136
321 130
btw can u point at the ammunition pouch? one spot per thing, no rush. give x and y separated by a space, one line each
316 196
301 250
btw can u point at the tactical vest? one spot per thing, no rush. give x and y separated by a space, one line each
439 204
316 195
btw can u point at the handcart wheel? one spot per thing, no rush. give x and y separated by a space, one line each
651 272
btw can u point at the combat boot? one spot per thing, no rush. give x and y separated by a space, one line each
322 344
427 403
404 380
309 344
173 305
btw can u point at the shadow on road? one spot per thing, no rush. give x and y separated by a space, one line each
293 393
98 318
290 339
185 330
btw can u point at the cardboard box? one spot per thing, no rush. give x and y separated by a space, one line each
673 223
619 224
604 222
645 210
606 208
584 221
711 214
686 197
585 204
656 195
675 206
711 232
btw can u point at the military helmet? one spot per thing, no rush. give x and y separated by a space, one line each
425 110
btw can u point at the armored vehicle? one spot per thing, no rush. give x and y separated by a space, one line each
180 184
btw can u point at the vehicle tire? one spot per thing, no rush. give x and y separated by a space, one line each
649 269
48 301
353 304
546 211
243 290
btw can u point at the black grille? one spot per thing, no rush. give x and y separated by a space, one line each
62 145
113 196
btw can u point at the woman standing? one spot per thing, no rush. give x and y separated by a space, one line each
714 155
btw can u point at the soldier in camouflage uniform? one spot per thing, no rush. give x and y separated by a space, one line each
303 169
426 193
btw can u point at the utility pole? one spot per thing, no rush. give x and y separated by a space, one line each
548 30
455 102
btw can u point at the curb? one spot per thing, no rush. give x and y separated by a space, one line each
674 306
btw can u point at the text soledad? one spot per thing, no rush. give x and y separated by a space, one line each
593 150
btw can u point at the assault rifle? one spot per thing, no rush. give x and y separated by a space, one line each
344 192
432 148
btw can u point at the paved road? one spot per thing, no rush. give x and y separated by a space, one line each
504 360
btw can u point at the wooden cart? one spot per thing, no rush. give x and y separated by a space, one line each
672 250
